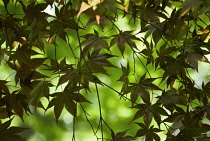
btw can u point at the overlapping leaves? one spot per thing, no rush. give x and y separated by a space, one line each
141 88
175 40
10 133
122 39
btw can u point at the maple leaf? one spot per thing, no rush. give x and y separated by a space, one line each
26 70
154 28
70 75
148 112
93 41
193 52
10 133
34 11
171 97
176 29
120 136
100 59
41 89
102 21
19 104
98 8
68 98
173 67
192 127
63 23
149 132
124 78
148 51
141 89
61 66
190 5
90 67
122 39
149 14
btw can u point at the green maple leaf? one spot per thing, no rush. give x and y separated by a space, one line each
122 39
67 98
10 133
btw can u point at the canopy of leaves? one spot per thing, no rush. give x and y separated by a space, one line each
153 60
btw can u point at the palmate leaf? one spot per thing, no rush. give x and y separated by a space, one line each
148 112
67 98
192 127
98 10
101 59
149 132
82 75
171 97
34 11
194 52
85 74
122 39
64 22
10 133
120 136
41 90
190 5
56 66
141 89
102 21
154 28
174 68
95 42
25 74
124 78
19 103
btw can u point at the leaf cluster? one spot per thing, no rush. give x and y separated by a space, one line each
156 79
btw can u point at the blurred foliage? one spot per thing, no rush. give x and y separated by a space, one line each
104 70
